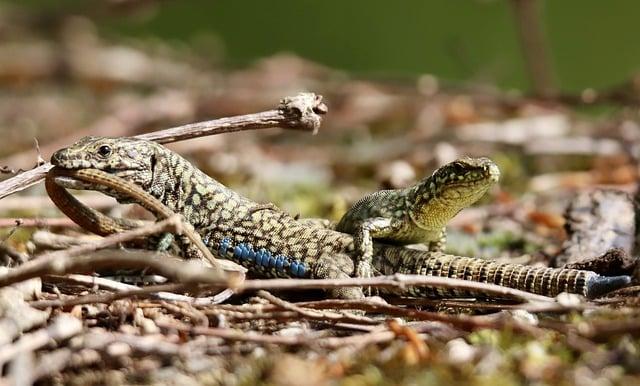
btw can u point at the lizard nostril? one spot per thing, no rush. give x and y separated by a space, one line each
57 158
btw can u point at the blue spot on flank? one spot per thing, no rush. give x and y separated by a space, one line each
245 254
265 259
259 256
224 245
245 251
279 262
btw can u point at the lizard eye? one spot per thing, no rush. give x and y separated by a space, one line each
457 167
104 150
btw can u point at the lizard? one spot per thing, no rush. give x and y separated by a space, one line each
271 243
419 213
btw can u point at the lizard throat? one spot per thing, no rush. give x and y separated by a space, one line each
432 217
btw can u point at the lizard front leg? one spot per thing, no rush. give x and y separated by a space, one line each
363 235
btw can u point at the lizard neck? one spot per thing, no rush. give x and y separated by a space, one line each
431 204
187 190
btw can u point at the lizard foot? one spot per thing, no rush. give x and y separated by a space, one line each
364 269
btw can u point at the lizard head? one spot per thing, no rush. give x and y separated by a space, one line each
463 179
128 158
453 187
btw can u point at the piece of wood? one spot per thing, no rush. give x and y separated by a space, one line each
597 222
300 112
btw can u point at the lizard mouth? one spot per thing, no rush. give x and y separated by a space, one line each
64 178
69 182
471 184
477 178
467 189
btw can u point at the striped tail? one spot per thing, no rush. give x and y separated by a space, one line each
538 280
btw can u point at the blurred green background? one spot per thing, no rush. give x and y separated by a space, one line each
592 43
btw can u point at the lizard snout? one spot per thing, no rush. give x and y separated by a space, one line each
58 157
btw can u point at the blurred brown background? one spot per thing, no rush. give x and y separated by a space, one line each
546 89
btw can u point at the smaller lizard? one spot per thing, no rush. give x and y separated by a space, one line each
417 214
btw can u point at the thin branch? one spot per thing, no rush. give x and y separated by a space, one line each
196 316
168 268
93 281
301 112
45 240
397 281
37 222
536 307
107 298
66 261
376 336
24 180
126 290
463 322
603 331
315 315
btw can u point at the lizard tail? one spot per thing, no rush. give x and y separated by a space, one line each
600 285
539 280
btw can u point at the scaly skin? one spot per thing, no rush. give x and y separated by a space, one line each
271 243
417 214
96 222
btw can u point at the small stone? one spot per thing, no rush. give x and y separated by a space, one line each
569 300
119 349
460 352
525 316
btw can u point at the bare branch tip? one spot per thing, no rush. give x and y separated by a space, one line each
303 111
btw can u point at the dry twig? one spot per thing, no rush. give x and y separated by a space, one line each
124 290
315 315
399 281
66 261
301 112
37 222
